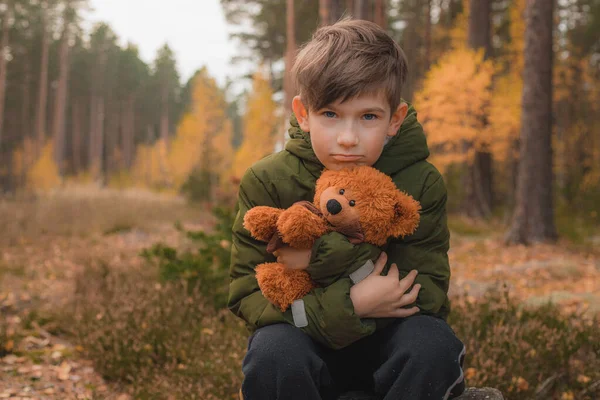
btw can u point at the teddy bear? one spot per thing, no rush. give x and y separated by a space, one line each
361 203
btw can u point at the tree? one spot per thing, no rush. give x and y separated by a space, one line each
453 106
4 48
259 124
167 79
101 41
533 219
504 122
69 16
380 16
42 100
258 27
478 199
133 74
290 53
200 152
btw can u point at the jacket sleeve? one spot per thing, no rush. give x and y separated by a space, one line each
427 251
329 310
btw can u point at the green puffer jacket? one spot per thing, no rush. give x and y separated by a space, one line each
281 179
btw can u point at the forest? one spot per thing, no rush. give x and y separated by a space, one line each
118 180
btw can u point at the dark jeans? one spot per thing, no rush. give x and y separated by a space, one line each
415 358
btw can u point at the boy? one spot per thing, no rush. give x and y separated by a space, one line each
377 333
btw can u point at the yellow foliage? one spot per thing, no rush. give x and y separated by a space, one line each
505 117
202 141
517 35
44 175
459 32
147 169
260 123
121 180
454 105
23 158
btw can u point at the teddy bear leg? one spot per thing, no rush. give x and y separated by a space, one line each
280 285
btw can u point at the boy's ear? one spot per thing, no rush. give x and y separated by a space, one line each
397 119
301 113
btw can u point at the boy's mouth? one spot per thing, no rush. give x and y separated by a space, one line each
345 157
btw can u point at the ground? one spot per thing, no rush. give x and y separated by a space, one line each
48 241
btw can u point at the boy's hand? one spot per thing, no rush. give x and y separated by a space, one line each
293 258
379 296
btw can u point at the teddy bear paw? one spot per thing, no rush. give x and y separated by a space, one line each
300 227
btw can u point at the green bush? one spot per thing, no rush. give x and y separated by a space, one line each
207 266
523 351
197 187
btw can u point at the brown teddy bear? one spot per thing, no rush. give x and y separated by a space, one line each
361 203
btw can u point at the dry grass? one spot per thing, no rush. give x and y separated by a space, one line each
86 210
161 340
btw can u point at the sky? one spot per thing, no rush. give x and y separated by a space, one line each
195 30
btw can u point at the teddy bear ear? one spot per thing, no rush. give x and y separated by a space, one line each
406 215
325 180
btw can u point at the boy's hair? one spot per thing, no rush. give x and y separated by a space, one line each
347 59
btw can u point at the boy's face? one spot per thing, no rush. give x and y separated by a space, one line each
352 133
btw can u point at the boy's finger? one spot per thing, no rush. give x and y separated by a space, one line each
410 297
394 272
379 264
408 280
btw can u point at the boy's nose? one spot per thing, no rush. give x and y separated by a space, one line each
347 138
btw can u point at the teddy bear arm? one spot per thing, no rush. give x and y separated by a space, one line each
261 222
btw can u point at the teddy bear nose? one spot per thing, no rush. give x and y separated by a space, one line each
334 206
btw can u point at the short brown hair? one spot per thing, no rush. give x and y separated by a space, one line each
347 59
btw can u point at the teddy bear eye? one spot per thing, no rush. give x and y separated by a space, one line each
342 191
352 203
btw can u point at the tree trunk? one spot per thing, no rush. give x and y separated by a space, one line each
164 114
381 13
324 8
427 62
96 139
362 10
149 139
330 11
533 218
127 131
93 126
113 126
478 199
26 101
4 42
58 130
76 125
290 53
99 176
40 127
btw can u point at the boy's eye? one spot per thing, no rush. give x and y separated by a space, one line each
342 191
370 117
352 203
329 114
